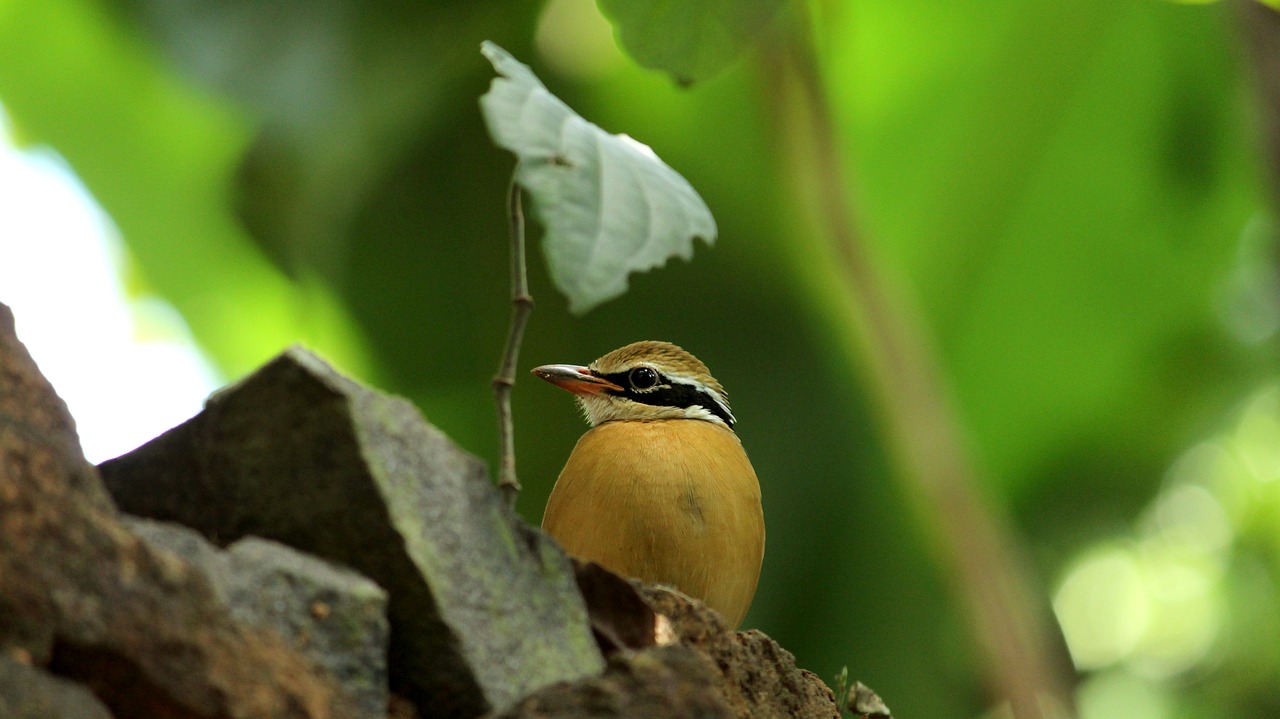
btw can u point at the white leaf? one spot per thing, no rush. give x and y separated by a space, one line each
609 205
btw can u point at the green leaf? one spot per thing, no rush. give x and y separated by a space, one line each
690 39
609 205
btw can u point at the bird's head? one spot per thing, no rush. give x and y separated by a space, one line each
643 381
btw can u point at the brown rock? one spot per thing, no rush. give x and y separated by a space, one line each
671 656
757 677
670 682
82 595
620 617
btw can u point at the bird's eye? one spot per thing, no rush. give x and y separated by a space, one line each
643 378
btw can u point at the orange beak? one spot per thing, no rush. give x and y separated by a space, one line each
576 379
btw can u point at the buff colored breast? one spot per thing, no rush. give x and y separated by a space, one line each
674 501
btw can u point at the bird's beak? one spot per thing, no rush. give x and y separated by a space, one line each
576 379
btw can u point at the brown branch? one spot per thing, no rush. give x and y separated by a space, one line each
1260 27
1009 619
505 380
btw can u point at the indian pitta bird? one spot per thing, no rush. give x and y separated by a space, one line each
659 488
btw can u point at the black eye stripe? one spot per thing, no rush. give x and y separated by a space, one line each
670 394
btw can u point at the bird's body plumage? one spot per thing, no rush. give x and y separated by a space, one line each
659 488
697 524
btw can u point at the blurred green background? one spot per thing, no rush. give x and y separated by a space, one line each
1071 194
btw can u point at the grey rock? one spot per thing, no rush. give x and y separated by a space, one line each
483 609
28 692
331 615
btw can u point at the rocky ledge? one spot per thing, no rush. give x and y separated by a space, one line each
309 548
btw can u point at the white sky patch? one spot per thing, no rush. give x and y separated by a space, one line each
128 370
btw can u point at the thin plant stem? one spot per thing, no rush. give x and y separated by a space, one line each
505 380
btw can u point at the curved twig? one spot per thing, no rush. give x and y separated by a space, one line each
505 379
